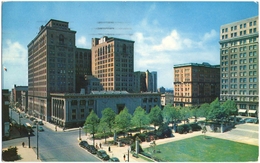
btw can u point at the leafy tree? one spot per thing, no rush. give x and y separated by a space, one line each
155 116
140 118
204 110
123 120
91 124
230 106
219 112
103 127
171 113
108 116
195 113
185 113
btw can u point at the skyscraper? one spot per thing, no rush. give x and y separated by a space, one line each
239 64
113 63
51 66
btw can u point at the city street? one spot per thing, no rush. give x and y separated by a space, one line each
53 146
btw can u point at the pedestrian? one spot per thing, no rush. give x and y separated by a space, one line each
100 145
96 146
109 149
124 157
23 144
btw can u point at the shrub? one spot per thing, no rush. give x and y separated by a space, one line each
10 154
141 136
180 129
195 127
133 147
164 131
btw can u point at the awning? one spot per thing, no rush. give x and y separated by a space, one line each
252 111
242 110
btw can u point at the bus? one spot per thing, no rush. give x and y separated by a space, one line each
28 126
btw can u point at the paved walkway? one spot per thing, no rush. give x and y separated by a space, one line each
119 152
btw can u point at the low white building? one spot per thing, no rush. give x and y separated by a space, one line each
70 110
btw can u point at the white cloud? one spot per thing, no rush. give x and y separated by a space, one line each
173 42
14 52
82 42
15 59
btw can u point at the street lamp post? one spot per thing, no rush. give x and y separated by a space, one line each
29 139
37 143
79 133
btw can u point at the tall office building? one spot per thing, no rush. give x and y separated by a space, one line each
51 66
195 84
82 68
113 63
240 64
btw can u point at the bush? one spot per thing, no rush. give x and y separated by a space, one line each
195 127
133 147
10 154
141 136
186 128
164 131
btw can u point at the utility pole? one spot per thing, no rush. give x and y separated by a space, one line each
37 143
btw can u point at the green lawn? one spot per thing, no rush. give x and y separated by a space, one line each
199 149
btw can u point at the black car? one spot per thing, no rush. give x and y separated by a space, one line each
92 149
113 159
84 144
103 155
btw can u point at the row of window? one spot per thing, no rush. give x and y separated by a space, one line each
241 26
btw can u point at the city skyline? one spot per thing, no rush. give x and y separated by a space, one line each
165 34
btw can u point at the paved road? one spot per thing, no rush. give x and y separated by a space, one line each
53 146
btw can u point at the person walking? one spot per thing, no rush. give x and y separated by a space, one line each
124 157
23 144
100 145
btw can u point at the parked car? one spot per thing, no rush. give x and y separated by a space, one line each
84 144
40 128
250 120
40 122
113 159
92 149
103 155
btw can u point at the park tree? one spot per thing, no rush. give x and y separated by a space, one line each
204 110
230 107
155 116
91 124
103 127
108 116
140 118
195 113
185 113
218 112
123 120
171 114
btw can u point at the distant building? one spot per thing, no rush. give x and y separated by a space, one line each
139 82
5 113
113 63
151 81
72 109
24 104
195 84
82 67
17 95
239 65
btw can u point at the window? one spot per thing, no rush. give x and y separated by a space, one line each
61 39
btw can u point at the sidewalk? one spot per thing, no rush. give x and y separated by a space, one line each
26 154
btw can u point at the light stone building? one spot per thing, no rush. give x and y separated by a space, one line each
69 109
113 63
239 64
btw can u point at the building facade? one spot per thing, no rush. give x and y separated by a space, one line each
113 63
82 67
72 109
51 66
239 64
195 84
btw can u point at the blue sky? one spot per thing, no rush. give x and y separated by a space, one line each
165 33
